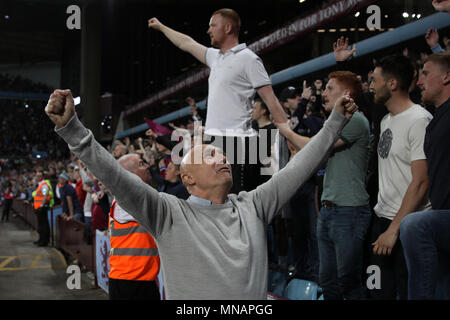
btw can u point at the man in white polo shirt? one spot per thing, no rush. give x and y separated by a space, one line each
236 74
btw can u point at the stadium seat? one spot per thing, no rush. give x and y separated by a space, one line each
299 289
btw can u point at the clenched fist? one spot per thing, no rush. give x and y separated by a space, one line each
60 108
346 106
154 23
441 5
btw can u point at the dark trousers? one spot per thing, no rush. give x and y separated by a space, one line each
133 290
43 226
394 274
426 242
243 155
87 234
6 209
306 252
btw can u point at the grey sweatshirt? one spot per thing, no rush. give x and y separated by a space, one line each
206 252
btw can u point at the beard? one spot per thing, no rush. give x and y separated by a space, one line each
382 95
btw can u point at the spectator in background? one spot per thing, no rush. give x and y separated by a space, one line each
77 177
89 189
425 235
414 90
197 113
403 179
72 208
301 208
101 206
8 195
134 257
290 99
164 145
42 198
171 184
264 126
432 39
119 149
373 112
345 214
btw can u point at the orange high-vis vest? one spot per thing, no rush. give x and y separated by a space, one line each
133 255
41 197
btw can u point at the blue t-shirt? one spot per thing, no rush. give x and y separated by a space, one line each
68 190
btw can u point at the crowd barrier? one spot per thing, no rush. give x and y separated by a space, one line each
67 236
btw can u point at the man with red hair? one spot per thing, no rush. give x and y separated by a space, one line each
345 214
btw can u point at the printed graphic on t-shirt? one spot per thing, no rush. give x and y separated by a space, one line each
384 146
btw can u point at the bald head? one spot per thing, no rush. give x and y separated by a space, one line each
119 150
129 161
191 158
205 167
134 163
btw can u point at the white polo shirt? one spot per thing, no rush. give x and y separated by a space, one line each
233 81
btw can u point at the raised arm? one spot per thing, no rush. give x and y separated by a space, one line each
272 195
145 204
341 50
268 96
441 5
182 41
298 141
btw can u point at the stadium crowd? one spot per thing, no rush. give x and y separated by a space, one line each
345 217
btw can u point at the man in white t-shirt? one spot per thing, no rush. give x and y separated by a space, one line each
236 75
403 178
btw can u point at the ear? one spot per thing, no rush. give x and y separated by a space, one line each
392 84
228 28
187 179
347 92
446 78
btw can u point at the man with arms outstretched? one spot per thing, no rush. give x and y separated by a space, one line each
213 245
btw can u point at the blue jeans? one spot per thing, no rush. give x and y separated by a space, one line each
425 238
341 232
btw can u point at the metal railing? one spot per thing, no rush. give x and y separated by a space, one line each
68 236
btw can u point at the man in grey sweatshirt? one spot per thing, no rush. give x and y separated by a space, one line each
213 245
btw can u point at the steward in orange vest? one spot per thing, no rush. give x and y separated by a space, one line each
42 198
133 255
41 195
134 260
